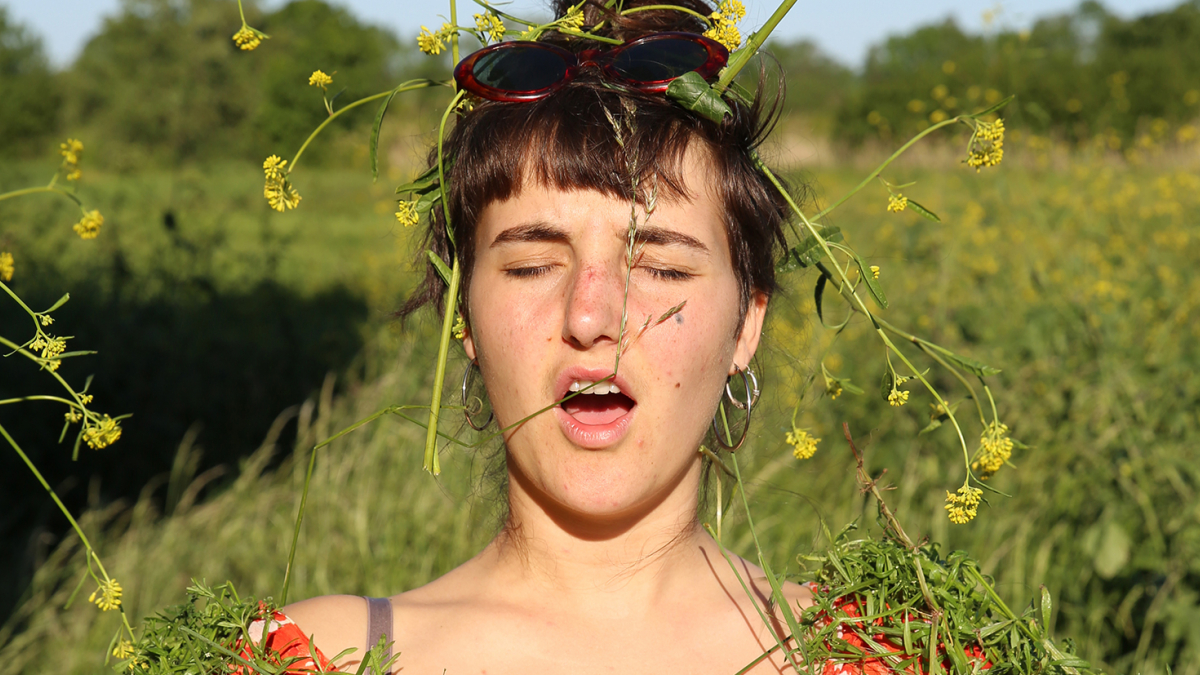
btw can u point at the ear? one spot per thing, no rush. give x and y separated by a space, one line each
747 340
469 343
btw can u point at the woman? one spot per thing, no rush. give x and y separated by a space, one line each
602 565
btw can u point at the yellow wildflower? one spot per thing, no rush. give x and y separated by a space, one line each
986 147
460 328
278 189
875 271
107 596
123 650
897 398
804 445
833 388
319 79
962 505
995 448
573 20
434 43
406 213
51 348
490 27
72 416
71 150
723 24
6 266
248 39
101 435
89 226
897 203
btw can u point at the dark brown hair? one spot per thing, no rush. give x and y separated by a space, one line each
567 141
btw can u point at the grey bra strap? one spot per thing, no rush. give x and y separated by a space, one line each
379 624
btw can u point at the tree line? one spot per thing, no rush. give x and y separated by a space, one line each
161 82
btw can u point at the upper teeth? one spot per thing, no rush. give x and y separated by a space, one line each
588 387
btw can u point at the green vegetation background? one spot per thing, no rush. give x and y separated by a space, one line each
237 336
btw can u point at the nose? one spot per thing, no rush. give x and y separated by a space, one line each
594 302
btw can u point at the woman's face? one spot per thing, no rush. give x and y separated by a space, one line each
546 299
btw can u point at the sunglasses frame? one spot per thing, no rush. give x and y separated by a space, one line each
464 72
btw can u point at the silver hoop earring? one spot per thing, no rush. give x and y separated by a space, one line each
474 404
747 405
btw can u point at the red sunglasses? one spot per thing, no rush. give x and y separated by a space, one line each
526 71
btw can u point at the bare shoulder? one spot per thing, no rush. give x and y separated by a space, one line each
797 596
335 623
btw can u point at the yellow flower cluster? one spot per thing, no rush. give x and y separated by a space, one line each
573 20
897 203
962 505
71 150
406 213
995 447
804 445
833 388
875 271
101 435
107 596
248 39
490 27
434 43
88 227
6 266
897 398
319 79
723 24
460 328
51 348
278 189
123 650
986 147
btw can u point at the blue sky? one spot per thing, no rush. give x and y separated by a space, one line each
843 29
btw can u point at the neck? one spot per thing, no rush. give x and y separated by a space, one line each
647 551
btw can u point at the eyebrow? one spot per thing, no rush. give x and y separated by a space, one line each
545 232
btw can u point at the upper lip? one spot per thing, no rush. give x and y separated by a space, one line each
580 373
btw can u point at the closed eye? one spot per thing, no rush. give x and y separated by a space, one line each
667 274
527 272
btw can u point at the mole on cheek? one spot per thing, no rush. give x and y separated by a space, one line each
677 385
679 318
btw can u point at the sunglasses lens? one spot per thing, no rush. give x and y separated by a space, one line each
520 68
659 60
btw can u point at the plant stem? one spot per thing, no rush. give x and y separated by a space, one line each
431 463
37 190
742 56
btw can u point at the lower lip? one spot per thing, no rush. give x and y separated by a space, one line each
594 436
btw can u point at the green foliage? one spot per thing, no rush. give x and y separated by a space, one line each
30 100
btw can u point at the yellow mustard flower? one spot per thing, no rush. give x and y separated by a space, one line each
72 416
804 445
833 388
278 189
460 328
107 596
875 271
406 213
897 398
6 266
573 20
101 435
434 43
71 151
123 650
995 448
986 147
319 79
248 39
490 27
88 227
962 506
723 24
897 203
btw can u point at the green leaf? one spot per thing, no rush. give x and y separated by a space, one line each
872 283
888 384
439 265
61 301
923 211
1114 551
427 201
809 252
421 184
693 93
994 108
933 425
1046 607
374 146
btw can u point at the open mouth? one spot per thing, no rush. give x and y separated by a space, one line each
597 404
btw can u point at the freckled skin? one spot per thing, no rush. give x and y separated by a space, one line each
603 567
